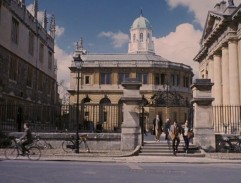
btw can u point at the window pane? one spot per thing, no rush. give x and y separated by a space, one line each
102 79
145 78
108 78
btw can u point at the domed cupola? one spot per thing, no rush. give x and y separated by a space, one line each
141 36
141 23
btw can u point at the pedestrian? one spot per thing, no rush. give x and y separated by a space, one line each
185 131
167 128
157 124
175 133
26 138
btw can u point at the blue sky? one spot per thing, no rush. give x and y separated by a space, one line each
104 25
88 18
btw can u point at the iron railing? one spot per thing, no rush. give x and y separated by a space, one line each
92 117
100 118
40 117
227 119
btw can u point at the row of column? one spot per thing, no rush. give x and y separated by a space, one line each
224 70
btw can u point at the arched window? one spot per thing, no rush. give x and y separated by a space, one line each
141 37
148 37
134 38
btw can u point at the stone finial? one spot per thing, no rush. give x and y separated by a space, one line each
20 2
45 21
35 9
52 26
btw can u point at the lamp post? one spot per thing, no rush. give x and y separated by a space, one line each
78 63
166 88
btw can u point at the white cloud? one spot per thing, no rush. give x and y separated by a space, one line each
200 8
180 46
30 8
59 31
63 62
119 39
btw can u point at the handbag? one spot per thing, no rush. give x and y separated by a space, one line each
190 134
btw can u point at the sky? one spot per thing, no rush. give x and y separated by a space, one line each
105 25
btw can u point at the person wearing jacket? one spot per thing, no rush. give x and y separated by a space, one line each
26 138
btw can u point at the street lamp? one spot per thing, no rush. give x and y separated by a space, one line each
166 88
78 63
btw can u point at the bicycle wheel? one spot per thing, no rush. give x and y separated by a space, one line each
41 144
223 147
34 153
68 146
11 152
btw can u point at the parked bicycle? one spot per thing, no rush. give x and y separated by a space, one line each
68 145
228 144
14 150
41 143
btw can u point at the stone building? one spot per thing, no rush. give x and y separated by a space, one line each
163 82
220 54
27 65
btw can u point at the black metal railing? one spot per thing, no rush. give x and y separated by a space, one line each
227 119
40 117
93 117
100 118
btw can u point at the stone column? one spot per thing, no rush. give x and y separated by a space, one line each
225 76
202 102
233 72
211 72
217 79
239 61
131 130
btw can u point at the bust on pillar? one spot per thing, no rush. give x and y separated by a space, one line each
131 130
202 102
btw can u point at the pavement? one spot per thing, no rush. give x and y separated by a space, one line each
99 157
128 157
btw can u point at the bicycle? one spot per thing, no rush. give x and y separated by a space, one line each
14 150
41 143
69 144
228 144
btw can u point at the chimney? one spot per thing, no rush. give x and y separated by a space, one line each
217 7
223 6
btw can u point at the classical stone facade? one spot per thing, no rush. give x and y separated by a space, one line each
27 66
101 75
220 54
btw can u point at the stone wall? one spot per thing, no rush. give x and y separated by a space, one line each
96 141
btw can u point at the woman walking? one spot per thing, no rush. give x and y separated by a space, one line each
186 130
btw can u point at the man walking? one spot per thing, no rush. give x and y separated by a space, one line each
175 132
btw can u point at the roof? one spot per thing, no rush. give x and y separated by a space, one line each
141 23
122 57
128 60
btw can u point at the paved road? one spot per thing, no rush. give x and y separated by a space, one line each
22 171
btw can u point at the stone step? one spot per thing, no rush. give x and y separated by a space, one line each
171 154
164 148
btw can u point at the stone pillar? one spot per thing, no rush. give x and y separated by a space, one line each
233 72
202 102
217 79
239 61
131 130
225 76
211 72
